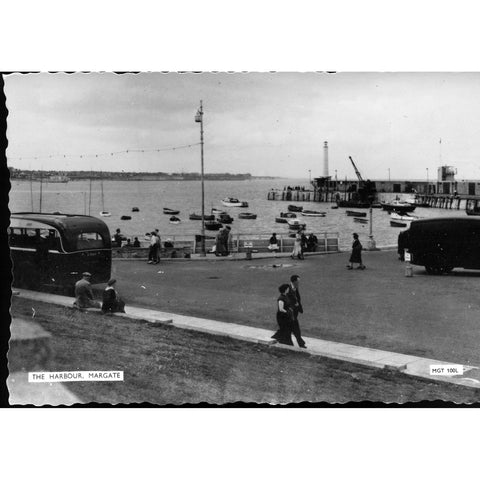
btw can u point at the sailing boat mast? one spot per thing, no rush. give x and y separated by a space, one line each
90 194
31 190
41 190
103 199
103 213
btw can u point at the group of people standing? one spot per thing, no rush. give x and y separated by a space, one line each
223 241
304 244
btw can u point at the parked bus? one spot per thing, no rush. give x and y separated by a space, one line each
442 244
52 250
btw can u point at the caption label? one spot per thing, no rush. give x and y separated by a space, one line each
448 370
84 376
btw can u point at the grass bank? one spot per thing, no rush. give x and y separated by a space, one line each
166 365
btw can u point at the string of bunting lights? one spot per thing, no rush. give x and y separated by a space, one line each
96 155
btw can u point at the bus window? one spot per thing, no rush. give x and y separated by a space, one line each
89 240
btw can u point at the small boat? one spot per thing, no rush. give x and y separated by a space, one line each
294 208
313 213
247 216
105 214
224 218
125 217
170 211
405 217
217 211
352 213
333 207
135 209
284 216
295 224
399 207
195 216
213 225
233 202
396 223
174 220
360 220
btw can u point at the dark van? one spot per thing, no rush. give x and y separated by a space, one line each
442 244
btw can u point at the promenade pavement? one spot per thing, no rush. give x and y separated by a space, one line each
379 308
407 364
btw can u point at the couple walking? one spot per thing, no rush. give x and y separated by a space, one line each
288 307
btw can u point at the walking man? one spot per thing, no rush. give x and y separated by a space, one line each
293 296
158 248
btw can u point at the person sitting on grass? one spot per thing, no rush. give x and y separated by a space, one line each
84 293
111 301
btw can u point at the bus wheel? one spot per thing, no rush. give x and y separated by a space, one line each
433 269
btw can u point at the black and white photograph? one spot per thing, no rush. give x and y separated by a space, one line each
267 238
239 239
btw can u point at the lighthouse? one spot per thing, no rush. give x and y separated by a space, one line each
325 159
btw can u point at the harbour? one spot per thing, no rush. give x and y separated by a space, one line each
152 197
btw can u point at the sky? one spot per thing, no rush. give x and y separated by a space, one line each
394 125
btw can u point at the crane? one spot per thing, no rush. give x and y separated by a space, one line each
360 179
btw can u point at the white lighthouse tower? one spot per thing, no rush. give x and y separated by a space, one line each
325 159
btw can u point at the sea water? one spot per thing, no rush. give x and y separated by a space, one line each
152 196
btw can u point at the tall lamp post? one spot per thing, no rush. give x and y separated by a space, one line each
199 119
428 189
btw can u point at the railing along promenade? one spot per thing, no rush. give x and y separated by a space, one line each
183 245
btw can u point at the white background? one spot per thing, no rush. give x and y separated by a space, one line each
242 36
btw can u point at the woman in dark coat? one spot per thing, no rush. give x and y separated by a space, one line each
356 256
111 301
284 317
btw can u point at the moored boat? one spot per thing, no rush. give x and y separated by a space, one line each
125 217
217 211
195 216
294 208
313 213
360 220
295 224
135 209
213 225
472 207
399 207
224 218
247 216
284 216
234 202
174 220
105 214
404 217
397 223
353 213
170 211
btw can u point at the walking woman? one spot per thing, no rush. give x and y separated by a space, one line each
356 256
284 317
